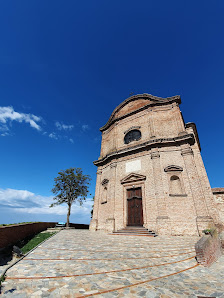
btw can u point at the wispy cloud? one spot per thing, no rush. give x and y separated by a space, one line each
85 127
8 115
62 126
5 134
24 201
71 140
53 136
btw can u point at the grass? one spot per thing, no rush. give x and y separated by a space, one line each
2 278
35 241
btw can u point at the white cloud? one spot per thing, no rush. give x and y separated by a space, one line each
85 127
4 127
53 136
71 140
62 126
7 115
4 134
24 201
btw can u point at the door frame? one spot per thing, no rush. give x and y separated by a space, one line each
141 211
125 201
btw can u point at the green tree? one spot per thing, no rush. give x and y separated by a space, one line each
70 186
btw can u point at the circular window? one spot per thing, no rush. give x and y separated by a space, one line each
133 135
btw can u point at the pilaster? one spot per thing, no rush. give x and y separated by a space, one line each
151 125
112 195
94 221
203 219
163 222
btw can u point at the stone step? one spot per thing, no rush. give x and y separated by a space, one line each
123 234
132 232
135 231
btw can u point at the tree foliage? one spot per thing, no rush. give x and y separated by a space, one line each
70 186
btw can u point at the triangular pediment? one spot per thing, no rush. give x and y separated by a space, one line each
133 177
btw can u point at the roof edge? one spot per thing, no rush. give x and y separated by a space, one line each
157 101
193 125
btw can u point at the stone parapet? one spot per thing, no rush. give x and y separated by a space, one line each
9 235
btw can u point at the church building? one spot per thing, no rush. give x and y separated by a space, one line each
151 173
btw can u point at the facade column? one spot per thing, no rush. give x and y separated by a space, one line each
162 221
206 187
94 222
110 222
203 219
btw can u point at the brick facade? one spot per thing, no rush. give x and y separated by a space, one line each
165 162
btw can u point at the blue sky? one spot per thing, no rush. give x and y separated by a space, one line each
64 67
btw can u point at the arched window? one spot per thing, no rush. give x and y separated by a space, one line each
175 185
104 195
133 135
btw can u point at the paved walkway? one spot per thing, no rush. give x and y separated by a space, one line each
79 263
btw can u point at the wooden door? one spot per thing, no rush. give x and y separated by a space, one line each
135 213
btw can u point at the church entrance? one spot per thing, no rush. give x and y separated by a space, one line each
135 213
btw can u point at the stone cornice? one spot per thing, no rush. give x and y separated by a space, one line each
154 143
154 101
193 125
218 190
187 151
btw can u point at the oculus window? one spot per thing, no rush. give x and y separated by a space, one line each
133 135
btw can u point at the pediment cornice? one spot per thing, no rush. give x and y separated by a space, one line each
133 177
173 168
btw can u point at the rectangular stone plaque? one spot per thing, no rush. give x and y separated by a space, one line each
133 166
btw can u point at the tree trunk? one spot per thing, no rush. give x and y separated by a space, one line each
68 215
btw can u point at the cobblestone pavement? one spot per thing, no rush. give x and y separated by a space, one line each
80 263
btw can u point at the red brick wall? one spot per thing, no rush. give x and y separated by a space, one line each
9 235
208 249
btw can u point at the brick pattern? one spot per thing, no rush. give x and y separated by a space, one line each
218 194
208 250
185 213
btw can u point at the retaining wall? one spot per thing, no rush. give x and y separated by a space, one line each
208 249
9 235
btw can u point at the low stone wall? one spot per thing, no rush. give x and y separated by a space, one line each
9 235
79 226
208 249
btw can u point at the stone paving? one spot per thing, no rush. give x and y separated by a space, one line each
80 263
